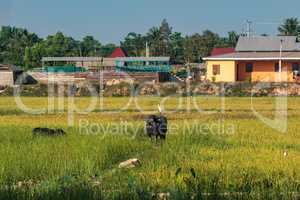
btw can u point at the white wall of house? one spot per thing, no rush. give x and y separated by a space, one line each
6 78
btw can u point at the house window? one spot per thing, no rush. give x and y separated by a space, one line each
249 67
295 67
296 72
216 70
277 67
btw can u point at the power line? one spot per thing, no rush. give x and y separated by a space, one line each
249 30
268 23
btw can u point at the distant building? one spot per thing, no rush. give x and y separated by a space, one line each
158 67
102 63
117 66
89 63
257 59
9 74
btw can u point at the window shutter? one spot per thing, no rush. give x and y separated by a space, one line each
216 70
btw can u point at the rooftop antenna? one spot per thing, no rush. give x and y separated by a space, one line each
249 28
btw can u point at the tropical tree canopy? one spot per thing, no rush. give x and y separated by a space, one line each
290 27
20 47
13 42
89 46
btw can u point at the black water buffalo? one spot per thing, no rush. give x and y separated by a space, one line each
156 126
48 132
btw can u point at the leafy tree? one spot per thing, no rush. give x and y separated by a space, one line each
264 35
165 33
190 49
134 44
107 50
200 45
18 46
34 55
28 57
60 45
89 46
207 42
290 27
153 37
233 38
57 45
177 48
159 39
13 42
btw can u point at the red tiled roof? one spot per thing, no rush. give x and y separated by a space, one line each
118 52
221 51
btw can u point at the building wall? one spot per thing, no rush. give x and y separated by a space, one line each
227 71
107 62
264 71
6 78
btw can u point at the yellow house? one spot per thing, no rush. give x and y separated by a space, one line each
257 59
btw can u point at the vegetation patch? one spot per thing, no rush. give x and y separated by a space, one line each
197 161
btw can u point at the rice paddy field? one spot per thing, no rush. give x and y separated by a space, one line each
217 148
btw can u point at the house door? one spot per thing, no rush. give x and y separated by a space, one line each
237 72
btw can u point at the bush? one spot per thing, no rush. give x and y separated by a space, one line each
27 90
167 89
125 89
122 89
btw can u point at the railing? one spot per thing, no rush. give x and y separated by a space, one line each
36 70
147 68
59 69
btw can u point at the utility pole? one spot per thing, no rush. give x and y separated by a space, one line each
147 53
280 59
147 50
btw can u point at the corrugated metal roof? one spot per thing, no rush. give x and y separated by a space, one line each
99 59
124 59
76 59
268 43
256 56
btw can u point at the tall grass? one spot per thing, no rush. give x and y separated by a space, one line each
199 163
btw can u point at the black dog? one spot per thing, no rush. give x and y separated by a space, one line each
156 126
48 132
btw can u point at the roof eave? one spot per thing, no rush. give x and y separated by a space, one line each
143 59
245 59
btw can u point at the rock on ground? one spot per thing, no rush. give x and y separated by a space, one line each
131 163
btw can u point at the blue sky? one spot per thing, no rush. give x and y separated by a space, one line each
111 20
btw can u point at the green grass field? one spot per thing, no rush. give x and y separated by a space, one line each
234 154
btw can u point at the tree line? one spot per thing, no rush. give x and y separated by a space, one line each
20 47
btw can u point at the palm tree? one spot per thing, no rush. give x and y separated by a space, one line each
154 39
290 27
